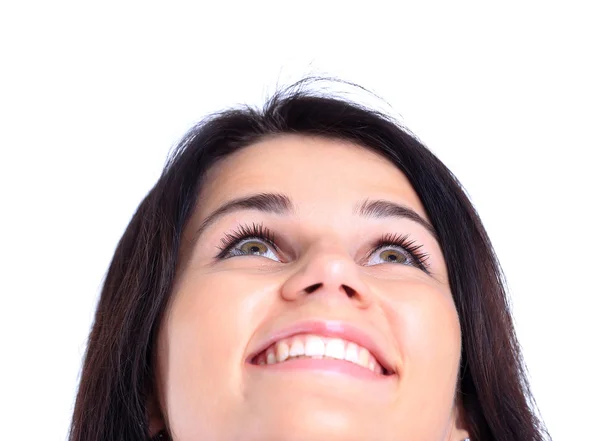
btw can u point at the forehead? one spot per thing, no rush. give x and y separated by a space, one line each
315 173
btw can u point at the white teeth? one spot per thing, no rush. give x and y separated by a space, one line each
363 357
282 351
352 353
297 347
317 347
335 349
314 346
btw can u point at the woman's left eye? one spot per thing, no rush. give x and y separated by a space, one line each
390 254
252 247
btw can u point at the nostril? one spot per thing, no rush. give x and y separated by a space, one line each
313 288
349 291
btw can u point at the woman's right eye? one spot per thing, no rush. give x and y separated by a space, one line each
253 246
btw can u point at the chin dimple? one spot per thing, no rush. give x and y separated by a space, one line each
318 347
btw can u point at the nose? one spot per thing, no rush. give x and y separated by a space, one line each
328 270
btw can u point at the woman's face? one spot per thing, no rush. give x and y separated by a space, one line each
337 280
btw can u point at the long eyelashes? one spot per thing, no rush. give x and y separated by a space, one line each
416 255
414 249
245 232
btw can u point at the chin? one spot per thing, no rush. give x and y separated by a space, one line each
310 422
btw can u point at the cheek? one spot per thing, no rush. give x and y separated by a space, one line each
430 329
201 348
427 329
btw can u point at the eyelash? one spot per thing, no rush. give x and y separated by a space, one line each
419 257
245 232
258 231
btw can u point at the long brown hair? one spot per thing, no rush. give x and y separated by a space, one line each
117 374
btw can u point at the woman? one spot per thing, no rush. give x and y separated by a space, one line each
305 272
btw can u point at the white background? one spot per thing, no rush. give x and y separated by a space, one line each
93 96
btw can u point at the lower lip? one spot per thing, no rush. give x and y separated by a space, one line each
324 365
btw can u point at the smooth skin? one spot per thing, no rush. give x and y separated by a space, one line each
221 308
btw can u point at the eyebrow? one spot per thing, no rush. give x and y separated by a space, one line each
382 209
274 203
277 203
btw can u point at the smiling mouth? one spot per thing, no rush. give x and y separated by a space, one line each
311 351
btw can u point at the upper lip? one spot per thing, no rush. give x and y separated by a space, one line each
329 328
